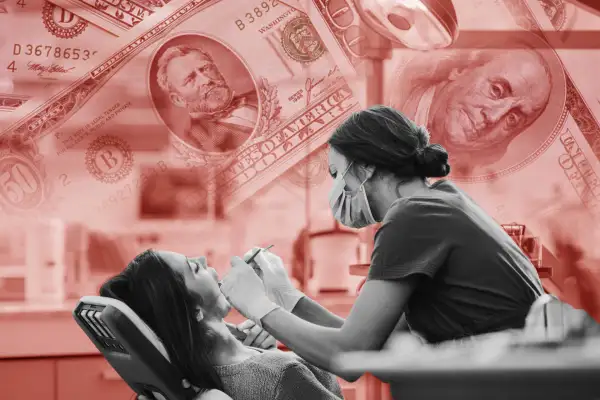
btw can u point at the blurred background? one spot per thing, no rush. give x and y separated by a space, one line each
50 259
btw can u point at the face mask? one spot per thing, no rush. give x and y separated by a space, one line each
350 209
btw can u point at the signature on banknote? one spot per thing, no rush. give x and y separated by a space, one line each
312 83
49 69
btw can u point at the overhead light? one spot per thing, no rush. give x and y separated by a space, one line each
417 24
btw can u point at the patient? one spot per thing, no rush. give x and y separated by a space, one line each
180 300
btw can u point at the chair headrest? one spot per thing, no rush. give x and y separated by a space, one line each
132 316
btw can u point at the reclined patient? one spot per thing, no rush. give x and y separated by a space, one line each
180 300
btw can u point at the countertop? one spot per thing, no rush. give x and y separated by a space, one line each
28 331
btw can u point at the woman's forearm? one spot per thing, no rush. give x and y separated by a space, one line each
316 344
311 311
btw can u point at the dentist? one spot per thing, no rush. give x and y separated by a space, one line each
438 259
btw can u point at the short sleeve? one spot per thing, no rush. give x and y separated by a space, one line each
414 238
298 383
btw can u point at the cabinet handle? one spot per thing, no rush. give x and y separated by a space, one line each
109 374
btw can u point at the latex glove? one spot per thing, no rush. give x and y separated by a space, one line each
256 336
277 283
245 291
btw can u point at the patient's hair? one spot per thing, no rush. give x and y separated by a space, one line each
159 296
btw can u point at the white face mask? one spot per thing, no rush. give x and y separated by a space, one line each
350 209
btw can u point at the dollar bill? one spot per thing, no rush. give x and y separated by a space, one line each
115 16
519 118
251 97
43 48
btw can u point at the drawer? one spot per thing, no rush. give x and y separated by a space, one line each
90 378
27 379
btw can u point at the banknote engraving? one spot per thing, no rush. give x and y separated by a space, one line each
274 23
224 86
125 13
73 139
300 41
495 111
575 102
584 118
131 190
22 175
109 159
288 139
204 93
62 23
42 47
20 182
268 119
61 106
580 173
556 11
114 16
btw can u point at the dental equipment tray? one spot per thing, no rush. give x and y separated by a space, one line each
130 347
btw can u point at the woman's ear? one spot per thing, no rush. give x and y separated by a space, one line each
368 171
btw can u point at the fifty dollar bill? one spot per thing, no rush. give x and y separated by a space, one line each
251 97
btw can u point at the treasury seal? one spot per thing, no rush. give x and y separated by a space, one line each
62 23
300 40
109 159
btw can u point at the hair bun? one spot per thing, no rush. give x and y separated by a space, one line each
432 161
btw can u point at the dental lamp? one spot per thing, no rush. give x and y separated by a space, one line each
417 24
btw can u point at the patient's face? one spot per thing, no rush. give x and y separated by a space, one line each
201 280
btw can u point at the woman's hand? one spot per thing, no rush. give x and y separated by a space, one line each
277 283
245 291
256 336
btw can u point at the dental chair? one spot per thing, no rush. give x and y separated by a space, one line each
134 350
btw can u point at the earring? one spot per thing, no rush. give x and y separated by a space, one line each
199 315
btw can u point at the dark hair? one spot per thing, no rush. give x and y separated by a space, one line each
159 296
385 138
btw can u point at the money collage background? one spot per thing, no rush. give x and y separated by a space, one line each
86 103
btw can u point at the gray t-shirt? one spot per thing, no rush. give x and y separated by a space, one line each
478 279
278 375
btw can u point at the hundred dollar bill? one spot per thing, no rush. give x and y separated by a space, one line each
43 47
115 16
577 46
511 110
248 97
